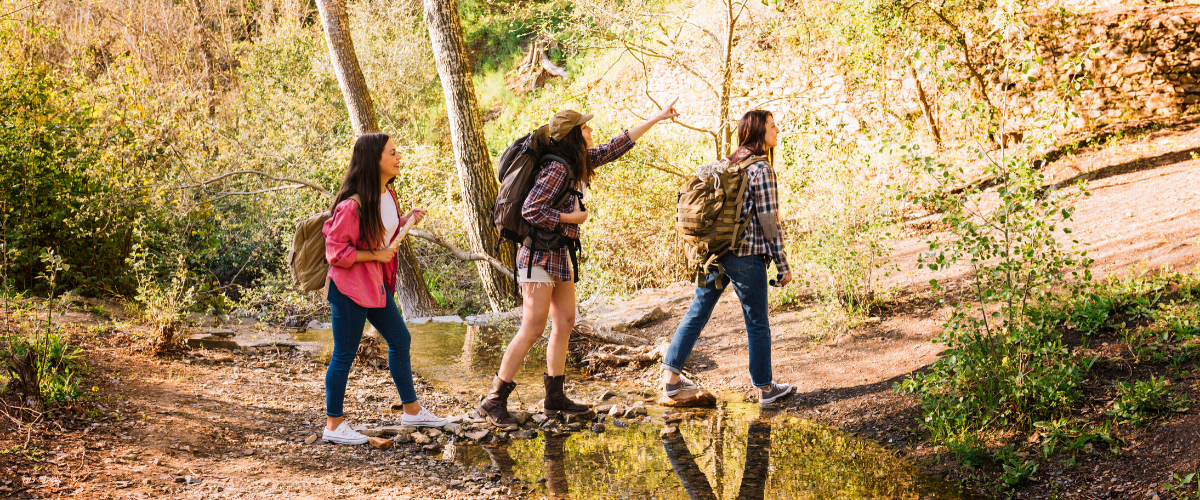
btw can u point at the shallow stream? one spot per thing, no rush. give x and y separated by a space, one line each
735 451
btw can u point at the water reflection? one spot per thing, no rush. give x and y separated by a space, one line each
754 476
732 452
725 454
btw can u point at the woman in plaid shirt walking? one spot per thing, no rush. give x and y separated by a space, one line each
745 267
548 278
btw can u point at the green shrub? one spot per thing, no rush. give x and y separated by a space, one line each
1141 402
43 367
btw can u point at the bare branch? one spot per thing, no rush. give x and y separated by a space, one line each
261 191
260 174
461 255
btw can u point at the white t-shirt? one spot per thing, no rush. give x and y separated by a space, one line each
390 216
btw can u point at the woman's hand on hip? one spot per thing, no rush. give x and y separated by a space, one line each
574 217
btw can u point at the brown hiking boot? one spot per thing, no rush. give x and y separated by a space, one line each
495 404
557 401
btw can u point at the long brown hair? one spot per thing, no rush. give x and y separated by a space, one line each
362 178
752 135
573 148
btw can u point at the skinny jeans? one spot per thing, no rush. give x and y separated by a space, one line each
748 275
349 318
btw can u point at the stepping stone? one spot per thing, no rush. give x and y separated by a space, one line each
419 321
379 443
206 341
447 319
686 399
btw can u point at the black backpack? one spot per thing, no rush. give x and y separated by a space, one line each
518 169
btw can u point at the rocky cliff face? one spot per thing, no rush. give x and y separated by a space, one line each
1145 63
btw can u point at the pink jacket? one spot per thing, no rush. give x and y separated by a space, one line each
363 282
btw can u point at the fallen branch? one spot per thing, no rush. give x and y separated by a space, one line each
604 335
619 355
461 255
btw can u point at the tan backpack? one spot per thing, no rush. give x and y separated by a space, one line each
710 220
307 255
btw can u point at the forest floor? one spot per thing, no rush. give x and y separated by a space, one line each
208 424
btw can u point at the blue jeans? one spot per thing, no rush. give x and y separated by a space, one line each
348 321
749 278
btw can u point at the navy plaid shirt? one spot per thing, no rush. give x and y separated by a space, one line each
538 209
762 197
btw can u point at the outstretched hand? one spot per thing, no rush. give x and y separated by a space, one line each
669 112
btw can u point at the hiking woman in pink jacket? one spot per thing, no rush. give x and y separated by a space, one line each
362 281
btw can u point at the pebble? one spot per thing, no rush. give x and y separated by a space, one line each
619 423
668 430
524 434
311 439
603 409
419 438
379 443
538 418
479 434
598 428
607 395
455 482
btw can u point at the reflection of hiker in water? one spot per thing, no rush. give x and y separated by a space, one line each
556 468
754 478
554 455
502 462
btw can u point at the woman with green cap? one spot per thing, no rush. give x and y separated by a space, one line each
548 278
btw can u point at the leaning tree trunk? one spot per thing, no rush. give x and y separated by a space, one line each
477 182
412 293
345 65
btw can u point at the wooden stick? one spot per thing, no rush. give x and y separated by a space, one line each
412 221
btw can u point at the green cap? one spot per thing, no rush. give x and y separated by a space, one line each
566 120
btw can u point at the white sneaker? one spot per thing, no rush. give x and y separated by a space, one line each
343 435
422 419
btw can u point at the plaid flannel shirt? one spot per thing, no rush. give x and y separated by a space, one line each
538 209
762 197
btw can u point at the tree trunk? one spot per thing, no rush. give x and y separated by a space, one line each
345 65
412 293
476 178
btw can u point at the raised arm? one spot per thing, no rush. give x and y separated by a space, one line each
667 113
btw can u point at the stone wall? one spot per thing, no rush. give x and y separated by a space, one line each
1146 64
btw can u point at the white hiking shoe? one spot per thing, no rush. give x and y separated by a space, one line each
423 418
343 435
774 393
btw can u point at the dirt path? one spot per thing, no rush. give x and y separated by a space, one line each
216 425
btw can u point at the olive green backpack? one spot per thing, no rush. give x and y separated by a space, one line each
710 220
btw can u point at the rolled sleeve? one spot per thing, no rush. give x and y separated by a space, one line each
538 208
341 231
610 151
766 203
